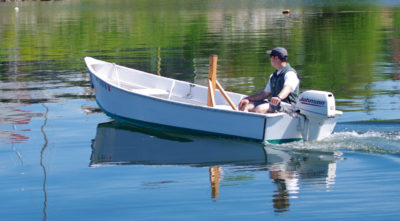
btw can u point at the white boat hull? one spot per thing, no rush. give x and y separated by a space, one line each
132 95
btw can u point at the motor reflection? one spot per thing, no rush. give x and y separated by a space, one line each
294 169
119 143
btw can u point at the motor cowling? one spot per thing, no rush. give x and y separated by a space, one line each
319 110
319 103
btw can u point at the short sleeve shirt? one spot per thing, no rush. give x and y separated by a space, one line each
291 79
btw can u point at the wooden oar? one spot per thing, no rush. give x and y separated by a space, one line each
226 96
213 82
212 78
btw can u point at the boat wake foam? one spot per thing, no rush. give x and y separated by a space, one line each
370 142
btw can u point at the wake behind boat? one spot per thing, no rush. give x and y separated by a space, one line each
142 98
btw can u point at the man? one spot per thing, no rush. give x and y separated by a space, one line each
283 85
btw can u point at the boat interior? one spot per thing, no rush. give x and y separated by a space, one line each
143 83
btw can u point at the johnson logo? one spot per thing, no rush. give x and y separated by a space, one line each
308 101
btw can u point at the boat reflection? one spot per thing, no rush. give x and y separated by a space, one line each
119 144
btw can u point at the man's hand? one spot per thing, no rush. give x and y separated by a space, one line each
243 103
275 101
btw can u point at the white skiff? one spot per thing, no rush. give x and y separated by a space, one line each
147 99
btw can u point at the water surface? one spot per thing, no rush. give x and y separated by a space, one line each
61 158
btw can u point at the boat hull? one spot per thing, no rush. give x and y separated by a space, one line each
175 111
123 105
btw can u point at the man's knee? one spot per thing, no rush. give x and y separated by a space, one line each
262 108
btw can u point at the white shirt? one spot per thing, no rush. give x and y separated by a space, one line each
290 79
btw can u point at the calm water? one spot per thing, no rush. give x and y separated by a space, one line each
61 158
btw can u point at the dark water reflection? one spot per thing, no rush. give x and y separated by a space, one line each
123 144
48 115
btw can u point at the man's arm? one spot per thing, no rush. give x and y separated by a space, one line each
286 90
259 96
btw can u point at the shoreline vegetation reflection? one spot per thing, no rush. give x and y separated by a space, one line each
337 48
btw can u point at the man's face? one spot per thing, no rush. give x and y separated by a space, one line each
273 60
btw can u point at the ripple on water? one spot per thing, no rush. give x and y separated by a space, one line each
382 142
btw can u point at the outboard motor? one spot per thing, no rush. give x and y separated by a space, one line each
319 110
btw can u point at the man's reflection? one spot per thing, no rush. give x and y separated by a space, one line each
289 167
286 182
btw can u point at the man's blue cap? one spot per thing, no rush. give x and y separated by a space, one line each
279 51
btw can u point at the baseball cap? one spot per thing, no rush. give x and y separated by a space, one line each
279 51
